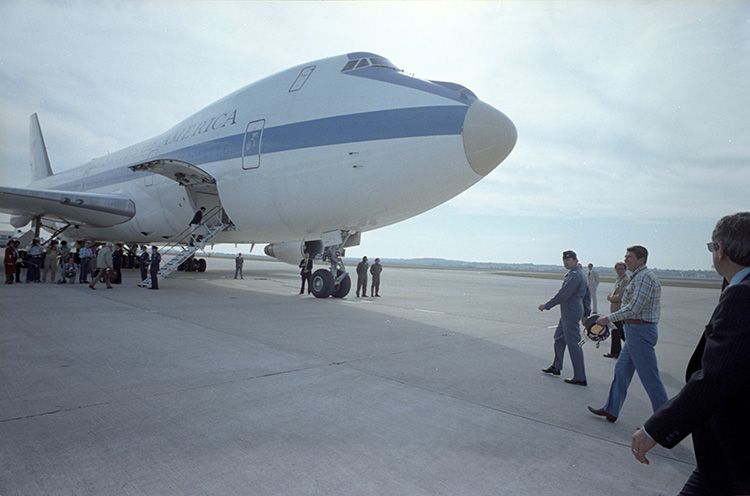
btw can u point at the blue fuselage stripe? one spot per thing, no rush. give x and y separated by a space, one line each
351 128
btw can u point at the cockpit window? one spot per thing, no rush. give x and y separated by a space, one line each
367 62
380 61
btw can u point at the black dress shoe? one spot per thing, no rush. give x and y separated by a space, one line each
610 355
551 370
577 382
603 413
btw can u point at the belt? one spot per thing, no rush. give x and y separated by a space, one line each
636 321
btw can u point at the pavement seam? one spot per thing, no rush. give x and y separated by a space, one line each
164 393
532 419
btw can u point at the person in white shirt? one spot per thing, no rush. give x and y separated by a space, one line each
592 278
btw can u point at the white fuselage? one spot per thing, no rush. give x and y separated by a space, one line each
308 150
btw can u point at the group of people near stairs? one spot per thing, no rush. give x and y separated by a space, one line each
102 261
87 263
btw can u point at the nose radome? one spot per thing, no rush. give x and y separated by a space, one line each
489 137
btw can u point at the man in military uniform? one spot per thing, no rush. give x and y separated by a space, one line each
362 276
375 270
155 261
574 300
143 261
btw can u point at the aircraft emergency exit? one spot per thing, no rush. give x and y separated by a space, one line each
306 159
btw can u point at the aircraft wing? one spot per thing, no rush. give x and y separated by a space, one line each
74 207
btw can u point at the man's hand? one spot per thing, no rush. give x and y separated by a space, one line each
541 307
640 445
602 321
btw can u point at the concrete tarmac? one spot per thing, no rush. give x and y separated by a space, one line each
216 386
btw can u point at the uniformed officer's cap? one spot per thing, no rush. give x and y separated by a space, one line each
569 254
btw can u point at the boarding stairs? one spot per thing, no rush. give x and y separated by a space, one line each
188 243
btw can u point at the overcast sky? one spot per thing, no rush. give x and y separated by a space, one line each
633 118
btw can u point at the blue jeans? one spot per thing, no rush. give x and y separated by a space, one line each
637 355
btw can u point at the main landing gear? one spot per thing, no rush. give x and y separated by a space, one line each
323 283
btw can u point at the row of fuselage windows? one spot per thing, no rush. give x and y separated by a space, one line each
367 62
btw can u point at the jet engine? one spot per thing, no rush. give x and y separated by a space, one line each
292 252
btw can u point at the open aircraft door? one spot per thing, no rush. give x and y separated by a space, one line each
184 173
199 186
252 144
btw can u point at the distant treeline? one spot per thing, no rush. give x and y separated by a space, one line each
528 267
440 263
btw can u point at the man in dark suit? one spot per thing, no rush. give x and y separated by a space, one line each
715 403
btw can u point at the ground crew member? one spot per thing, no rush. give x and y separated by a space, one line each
362 276
375 270
238 262
305 272
155 261
143 260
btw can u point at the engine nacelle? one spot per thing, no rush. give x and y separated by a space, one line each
292 252
18 221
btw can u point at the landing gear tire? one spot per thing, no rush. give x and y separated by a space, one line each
343 288
322 283
201 265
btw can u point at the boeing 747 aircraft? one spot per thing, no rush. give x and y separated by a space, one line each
306 160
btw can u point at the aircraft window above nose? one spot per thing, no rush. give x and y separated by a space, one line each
382 62
367 62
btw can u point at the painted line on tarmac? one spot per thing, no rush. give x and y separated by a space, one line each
428 311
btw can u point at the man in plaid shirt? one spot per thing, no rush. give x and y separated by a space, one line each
640 315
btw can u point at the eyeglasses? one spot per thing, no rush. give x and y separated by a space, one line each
711 246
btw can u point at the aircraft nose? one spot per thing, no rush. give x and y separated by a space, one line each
489 137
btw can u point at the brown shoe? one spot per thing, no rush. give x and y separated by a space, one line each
576 382
601 412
